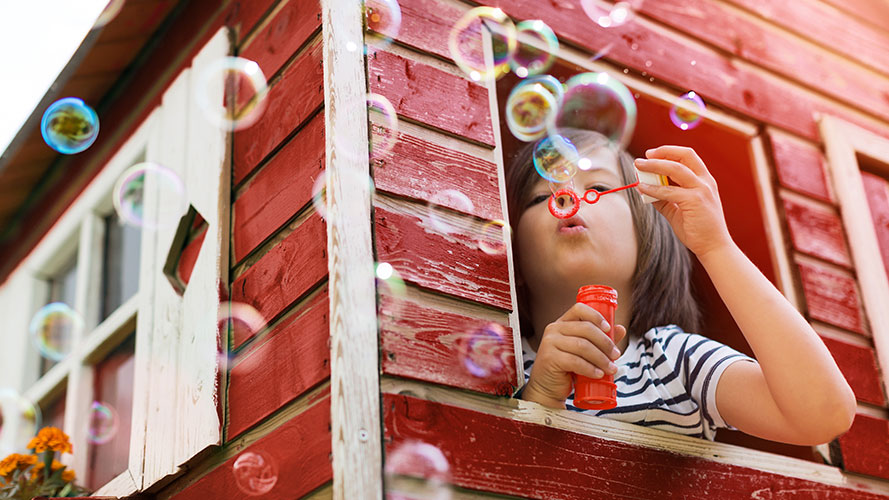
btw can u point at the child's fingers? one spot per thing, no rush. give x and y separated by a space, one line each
680 173
582 312
684 155
573 363
579 346
580 336
672 194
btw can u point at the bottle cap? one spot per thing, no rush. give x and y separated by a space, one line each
600 395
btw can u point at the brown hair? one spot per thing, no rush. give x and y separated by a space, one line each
662 292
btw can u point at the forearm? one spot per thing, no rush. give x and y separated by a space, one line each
802 376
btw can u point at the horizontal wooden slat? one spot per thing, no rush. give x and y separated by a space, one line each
286 272
245 15
293 359
800 166
452 264
503 455
817 231
859 365
291 101
280 188
424 170
301 449
281 36
428 344
865 447
869 11
831 296
431 96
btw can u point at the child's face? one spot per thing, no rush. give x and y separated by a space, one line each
601 250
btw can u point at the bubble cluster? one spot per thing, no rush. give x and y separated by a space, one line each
529 107
466 44
534 58
130 191
687 111
19 421
415 469
483 351
54 329
243 96
493 236
255 472
600 102
103 423
608 16
383 21
453 199
69 126
555 158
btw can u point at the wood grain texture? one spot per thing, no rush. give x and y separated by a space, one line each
440 347
285 273
294 358
292 100
281 36
800 166
507 456
431 96
876 189
859 365
865 447
817 231
243 15
831 296
188 257
279 190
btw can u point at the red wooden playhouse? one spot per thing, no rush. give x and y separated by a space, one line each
347 366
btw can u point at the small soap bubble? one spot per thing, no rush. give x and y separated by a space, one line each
232 93
69 126
54 329
112 9
555 158
417 470
598 102
238 320
530 60
130 191
450 198
384 135
687 111
529 108
392 287
493 236
383 21
19 421
103 423
483 351
608 16
255 472
319 193
466 47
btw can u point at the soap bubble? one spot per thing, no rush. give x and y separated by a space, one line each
319 193
598 102
19 421
493 236
549 82
417 470
103 423
608 16
129 196
529 108
255 472
687 111
556 158
69 126
484 350
383 21
466 48
245 93
383 138
389 284
239 321
453 199
54 329
529 60
112 9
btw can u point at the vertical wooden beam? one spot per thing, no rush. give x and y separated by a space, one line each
354 366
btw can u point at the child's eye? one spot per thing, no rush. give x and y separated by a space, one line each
598 187
539 199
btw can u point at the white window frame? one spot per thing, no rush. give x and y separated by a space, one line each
170 423
843 143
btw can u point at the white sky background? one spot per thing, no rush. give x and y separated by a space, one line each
37 38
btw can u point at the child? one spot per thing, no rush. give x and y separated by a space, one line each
666 378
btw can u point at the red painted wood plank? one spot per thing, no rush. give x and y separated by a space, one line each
292 100
286 272
423 170
425 25
294 359
436 346
859 365
243 15
189 256
876 189
800 166
283 35
869 11
505 456
778 51
817 231
279 190
431 96
301 448
865 446
831 296
454 265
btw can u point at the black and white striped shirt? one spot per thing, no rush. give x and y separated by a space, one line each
666 379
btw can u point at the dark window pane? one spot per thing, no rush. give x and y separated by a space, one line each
61 289
120 268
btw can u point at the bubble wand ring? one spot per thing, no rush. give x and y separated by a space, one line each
561 213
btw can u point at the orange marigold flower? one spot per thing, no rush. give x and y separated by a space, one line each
68 475
50 438
14 461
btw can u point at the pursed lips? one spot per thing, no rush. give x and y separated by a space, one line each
571 225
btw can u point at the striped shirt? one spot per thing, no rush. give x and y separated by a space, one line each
666 379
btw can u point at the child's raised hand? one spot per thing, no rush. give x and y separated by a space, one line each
692 207
574 343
